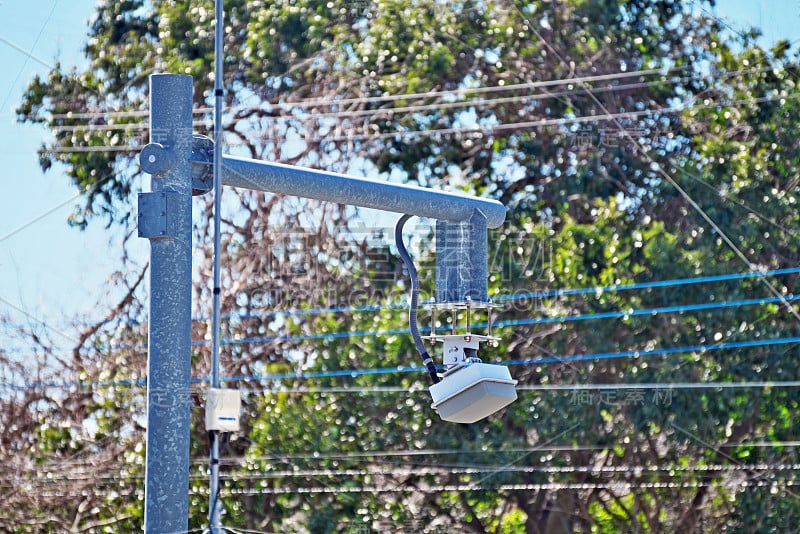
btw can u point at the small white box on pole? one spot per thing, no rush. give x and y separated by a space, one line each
223 409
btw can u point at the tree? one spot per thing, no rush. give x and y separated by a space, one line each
446 94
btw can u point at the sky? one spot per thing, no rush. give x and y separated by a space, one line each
53 274
49 271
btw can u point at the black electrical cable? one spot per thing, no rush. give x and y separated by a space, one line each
412 314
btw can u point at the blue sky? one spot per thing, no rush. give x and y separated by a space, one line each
47 269
55 273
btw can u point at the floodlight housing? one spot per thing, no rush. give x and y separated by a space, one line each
472 391
469 390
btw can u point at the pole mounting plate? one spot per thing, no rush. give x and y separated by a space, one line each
155 221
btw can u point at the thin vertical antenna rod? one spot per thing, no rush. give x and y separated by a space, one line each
214 506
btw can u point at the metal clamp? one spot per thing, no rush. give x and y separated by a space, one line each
155 159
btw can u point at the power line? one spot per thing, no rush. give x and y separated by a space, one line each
339 455
527 388
332 101
36 319
478 130
423 470
58 206
529 321
648 285
499 324
374 455
489 102
485 102
110 127
369 455
513 322
645 311
596 290
618 486
86 473
553 486
658 352
352 373
539 123
383 390
28 55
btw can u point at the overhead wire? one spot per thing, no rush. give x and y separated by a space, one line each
372 455
49 476
431 469
655 166
624 314
28 55
485 102
382 390
88 191
620 486
719 452
727 197
513 322
648 285
633 387
352 373
692 176
316 101
553 486
651 71
533 295
37 320
487 129
490 102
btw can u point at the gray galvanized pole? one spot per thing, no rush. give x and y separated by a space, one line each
378 194
165 219
214 505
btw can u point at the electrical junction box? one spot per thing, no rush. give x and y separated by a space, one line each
223 409
472 391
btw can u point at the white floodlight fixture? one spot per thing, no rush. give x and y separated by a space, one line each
469 390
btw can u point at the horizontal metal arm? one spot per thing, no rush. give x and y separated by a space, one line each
321 185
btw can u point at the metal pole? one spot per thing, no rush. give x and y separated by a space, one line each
214 505
165 218
344 189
